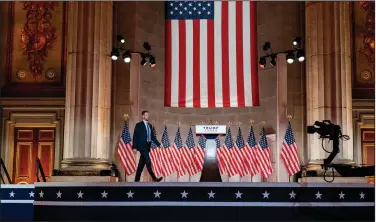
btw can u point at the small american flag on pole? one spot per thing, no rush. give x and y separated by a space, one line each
155 156
289 153
231 163
175 152
125 153
221 165
211 54
187 156
166 160
264 160
250 153
199 154
238 154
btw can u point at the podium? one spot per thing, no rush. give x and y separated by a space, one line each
210 172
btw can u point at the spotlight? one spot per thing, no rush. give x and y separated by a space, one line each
127 56
272 61
290 57
297 41
266 46
143 60
114 54
300 55
152 61
262 62
120 39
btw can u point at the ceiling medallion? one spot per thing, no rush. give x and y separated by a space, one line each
50 74
21 74
366 75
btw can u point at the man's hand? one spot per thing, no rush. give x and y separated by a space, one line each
134 151
161 146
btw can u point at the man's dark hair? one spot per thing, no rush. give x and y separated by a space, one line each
143 112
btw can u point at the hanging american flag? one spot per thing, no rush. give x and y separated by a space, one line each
155 156
231 164
220 163
250 153
199 155
175 153
211 54
166 155
289 153
263 158
237 154
187 156
125 153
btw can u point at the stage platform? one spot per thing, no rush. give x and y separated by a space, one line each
195 201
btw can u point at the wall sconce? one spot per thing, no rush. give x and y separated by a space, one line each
126 54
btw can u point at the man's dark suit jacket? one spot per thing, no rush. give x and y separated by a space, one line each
140 137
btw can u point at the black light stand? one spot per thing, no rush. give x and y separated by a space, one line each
295 53
126 54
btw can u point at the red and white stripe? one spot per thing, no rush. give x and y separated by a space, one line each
249 156
185 161
155 156
166 162
213 63
127 157
264 161
175 158
198 159
228 161
289 156
237 161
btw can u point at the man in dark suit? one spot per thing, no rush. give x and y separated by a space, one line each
142 138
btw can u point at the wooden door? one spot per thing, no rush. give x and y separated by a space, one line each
368 147
31 143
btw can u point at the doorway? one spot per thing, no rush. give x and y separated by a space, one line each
29 144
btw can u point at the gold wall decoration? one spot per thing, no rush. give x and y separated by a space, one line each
364 50
36 53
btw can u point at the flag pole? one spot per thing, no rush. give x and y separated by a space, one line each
251 122
126 117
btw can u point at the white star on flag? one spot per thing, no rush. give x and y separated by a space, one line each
31 194
58 194
211 194
265 195
184 194
157 194
318 195
292 195
341 195
80 194
104 194
11 194
361 195
41 194
238 195
130 194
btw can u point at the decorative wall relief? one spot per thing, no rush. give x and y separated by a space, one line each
364 50
36 53
38 35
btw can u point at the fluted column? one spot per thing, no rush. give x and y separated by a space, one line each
88 86
328 48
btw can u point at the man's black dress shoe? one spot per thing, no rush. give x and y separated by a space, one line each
159 179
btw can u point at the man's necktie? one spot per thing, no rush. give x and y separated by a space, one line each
148 132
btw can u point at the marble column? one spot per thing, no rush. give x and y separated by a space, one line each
328 65
88 86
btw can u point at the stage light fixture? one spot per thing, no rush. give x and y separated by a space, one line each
290 57
297 41
152 61
147 46
114 54
120 39
273 61
300 55
262 62
266 46
143 60
127 56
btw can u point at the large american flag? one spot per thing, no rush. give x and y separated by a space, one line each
226 155
175 153
238 154
199 155
289 153
264 160
211 54
187 154
250 153
125 153
166 155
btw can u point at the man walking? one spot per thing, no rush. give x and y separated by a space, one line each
142 138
